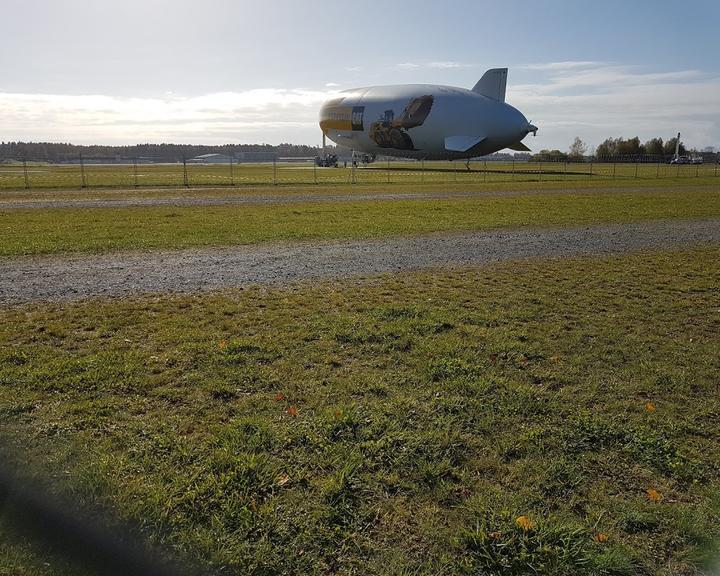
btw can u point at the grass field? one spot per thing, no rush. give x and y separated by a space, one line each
549 417
46 231
12 176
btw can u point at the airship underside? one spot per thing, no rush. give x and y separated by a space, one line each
425 121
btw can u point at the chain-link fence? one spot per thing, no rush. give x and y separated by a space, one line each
19 173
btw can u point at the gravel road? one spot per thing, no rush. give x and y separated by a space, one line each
204 199
30 279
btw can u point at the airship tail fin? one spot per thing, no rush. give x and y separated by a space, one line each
519 147
492 84
462 143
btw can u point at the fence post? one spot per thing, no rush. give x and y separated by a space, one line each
541 172
697 170
388 169
274 171
657 172
315 171
186 181
677 174
232 175
591 169
135 172
513 168
25 173
422 171
614 163
717 161
82 173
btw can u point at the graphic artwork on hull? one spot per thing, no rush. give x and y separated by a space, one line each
391 133
338 117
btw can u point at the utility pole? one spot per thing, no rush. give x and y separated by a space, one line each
186 182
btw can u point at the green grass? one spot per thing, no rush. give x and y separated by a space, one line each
70 176
433 410
46 231
400 186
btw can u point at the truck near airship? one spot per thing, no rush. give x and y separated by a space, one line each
427 122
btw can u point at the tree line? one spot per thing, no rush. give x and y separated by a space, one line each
63 152
612 148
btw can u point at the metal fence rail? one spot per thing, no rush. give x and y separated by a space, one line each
27 173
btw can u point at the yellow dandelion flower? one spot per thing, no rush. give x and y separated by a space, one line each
650 407
654 495
524 522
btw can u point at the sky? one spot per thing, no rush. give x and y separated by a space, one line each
238 71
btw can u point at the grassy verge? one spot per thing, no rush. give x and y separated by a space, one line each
402 186
248 175
97 229
553 417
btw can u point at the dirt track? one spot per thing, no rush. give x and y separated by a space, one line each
120 274
206 198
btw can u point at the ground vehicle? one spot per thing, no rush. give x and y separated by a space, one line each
680 160
327 161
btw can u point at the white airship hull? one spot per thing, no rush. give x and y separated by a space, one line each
424 121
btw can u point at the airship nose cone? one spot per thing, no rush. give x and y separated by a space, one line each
532 128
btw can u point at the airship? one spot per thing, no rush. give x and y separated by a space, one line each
427 122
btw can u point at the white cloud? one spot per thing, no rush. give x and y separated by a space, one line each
565 65
587 99
445 65
237 116
407 66
442 65
597 100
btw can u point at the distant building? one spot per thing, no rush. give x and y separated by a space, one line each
211 159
